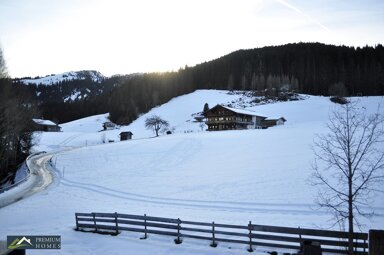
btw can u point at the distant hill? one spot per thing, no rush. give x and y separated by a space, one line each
52 79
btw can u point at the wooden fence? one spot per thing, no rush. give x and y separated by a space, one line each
251 235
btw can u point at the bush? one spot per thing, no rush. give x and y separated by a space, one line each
339 100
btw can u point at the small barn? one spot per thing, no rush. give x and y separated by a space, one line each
45 125
273 122
126 136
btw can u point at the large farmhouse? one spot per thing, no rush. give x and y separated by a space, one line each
226 118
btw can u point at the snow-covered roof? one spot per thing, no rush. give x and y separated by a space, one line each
276 118
243 111
44 122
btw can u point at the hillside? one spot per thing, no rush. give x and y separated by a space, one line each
308 68
226 176
67 76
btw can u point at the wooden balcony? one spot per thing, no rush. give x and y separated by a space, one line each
218 122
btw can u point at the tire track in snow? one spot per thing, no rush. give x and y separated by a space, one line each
70 139
176 158
276 208
180 152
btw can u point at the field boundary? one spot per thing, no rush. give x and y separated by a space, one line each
252 235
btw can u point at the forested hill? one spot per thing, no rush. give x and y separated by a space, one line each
311 68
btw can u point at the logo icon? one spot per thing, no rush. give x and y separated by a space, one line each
20 243
33 242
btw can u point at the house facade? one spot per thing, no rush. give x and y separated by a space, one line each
226 118
45 125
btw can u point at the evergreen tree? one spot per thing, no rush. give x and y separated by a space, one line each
206 107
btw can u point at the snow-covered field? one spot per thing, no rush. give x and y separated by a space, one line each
227 176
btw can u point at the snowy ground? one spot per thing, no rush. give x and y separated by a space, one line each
227 176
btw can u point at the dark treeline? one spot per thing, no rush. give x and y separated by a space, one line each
140 93
311 68
314 67
17 108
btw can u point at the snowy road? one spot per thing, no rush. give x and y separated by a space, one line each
38 180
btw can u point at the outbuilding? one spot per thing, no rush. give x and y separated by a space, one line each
273 122
126 136
109 125
45 125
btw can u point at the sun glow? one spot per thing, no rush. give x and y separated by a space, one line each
40 37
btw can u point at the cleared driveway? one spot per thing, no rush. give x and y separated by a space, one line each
39 178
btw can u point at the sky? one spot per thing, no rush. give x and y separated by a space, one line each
41 37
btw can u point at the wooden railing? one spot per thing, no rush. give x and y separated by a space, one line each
251 234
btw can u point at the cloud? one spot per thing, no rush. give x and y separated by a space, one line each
297 10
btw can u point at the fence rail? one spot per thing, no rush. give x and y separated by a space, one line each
251 234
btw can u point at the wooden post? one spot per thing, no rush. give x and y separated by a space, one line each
178 240
94 221
301 241
77 222
145 227
365 242
376 242
117 224
213 244
250 227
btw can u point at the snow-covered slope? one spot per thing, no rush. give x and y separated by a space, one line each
90 124
226 177
67 76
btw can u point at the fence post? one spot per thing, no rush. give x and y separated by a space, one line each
178 240
145 227
301 241
117 224
77 222
250 227
365 242
94 221
376 242
213 244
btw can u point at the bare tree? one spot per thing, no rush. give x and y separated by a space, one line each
3 67
349 163
156 123
16 112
